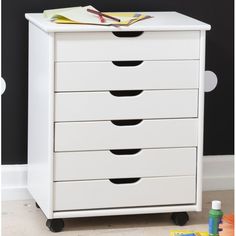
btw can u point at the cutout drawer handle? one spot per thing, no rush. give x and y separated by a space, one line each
126 122
127 63
125 180
127 34
120 152
125 93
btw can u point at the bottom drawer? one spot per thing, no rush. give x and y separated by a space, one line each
116 193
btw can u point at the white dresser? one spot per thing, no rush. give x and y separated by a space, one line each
116 117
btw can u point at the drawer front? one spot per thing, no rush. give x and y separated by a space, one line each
126 75
93 194
124 163
103 135
105 46
133 104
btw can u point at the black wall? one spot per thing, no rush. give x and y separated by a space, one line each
220 47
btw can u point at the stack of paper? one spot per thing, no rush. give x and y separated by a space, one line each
80 15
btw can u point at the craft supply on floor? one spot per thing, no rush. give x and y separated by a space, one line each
215 218
187 233
228 225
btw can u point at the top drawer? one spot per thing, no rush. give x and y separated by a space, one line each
107 46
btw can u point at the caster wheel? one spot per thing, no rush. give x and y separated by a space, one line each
55 225
180 218
36 204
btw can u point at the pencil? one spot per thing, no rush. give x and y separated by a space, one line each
102 14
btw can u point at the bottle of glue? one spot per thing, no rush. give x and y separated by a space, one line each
215 218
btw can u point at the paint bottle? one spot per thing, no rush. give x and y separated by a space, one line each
215 218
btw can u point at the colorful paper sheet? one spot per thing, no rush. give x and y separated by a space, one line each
80 15
187 232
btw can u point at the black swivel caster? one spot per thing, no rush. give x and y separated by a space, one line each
180 218
36 204
55 225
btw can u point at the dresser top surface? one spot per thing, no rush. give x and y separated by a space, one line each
161 21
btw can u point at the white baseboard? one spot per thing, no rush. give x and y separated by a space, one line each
218 174
14 182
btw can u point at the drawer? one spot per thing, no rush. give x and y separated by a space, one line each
132 104
124 163
93 194
110 46
126 75
126 134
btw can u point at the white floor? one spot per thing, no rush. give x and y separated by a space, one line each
22 218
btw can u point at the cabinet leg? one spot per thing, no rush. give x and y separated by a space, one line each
55 225
180 218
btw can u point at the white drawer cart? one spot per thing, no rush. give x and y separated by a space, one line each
116 117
